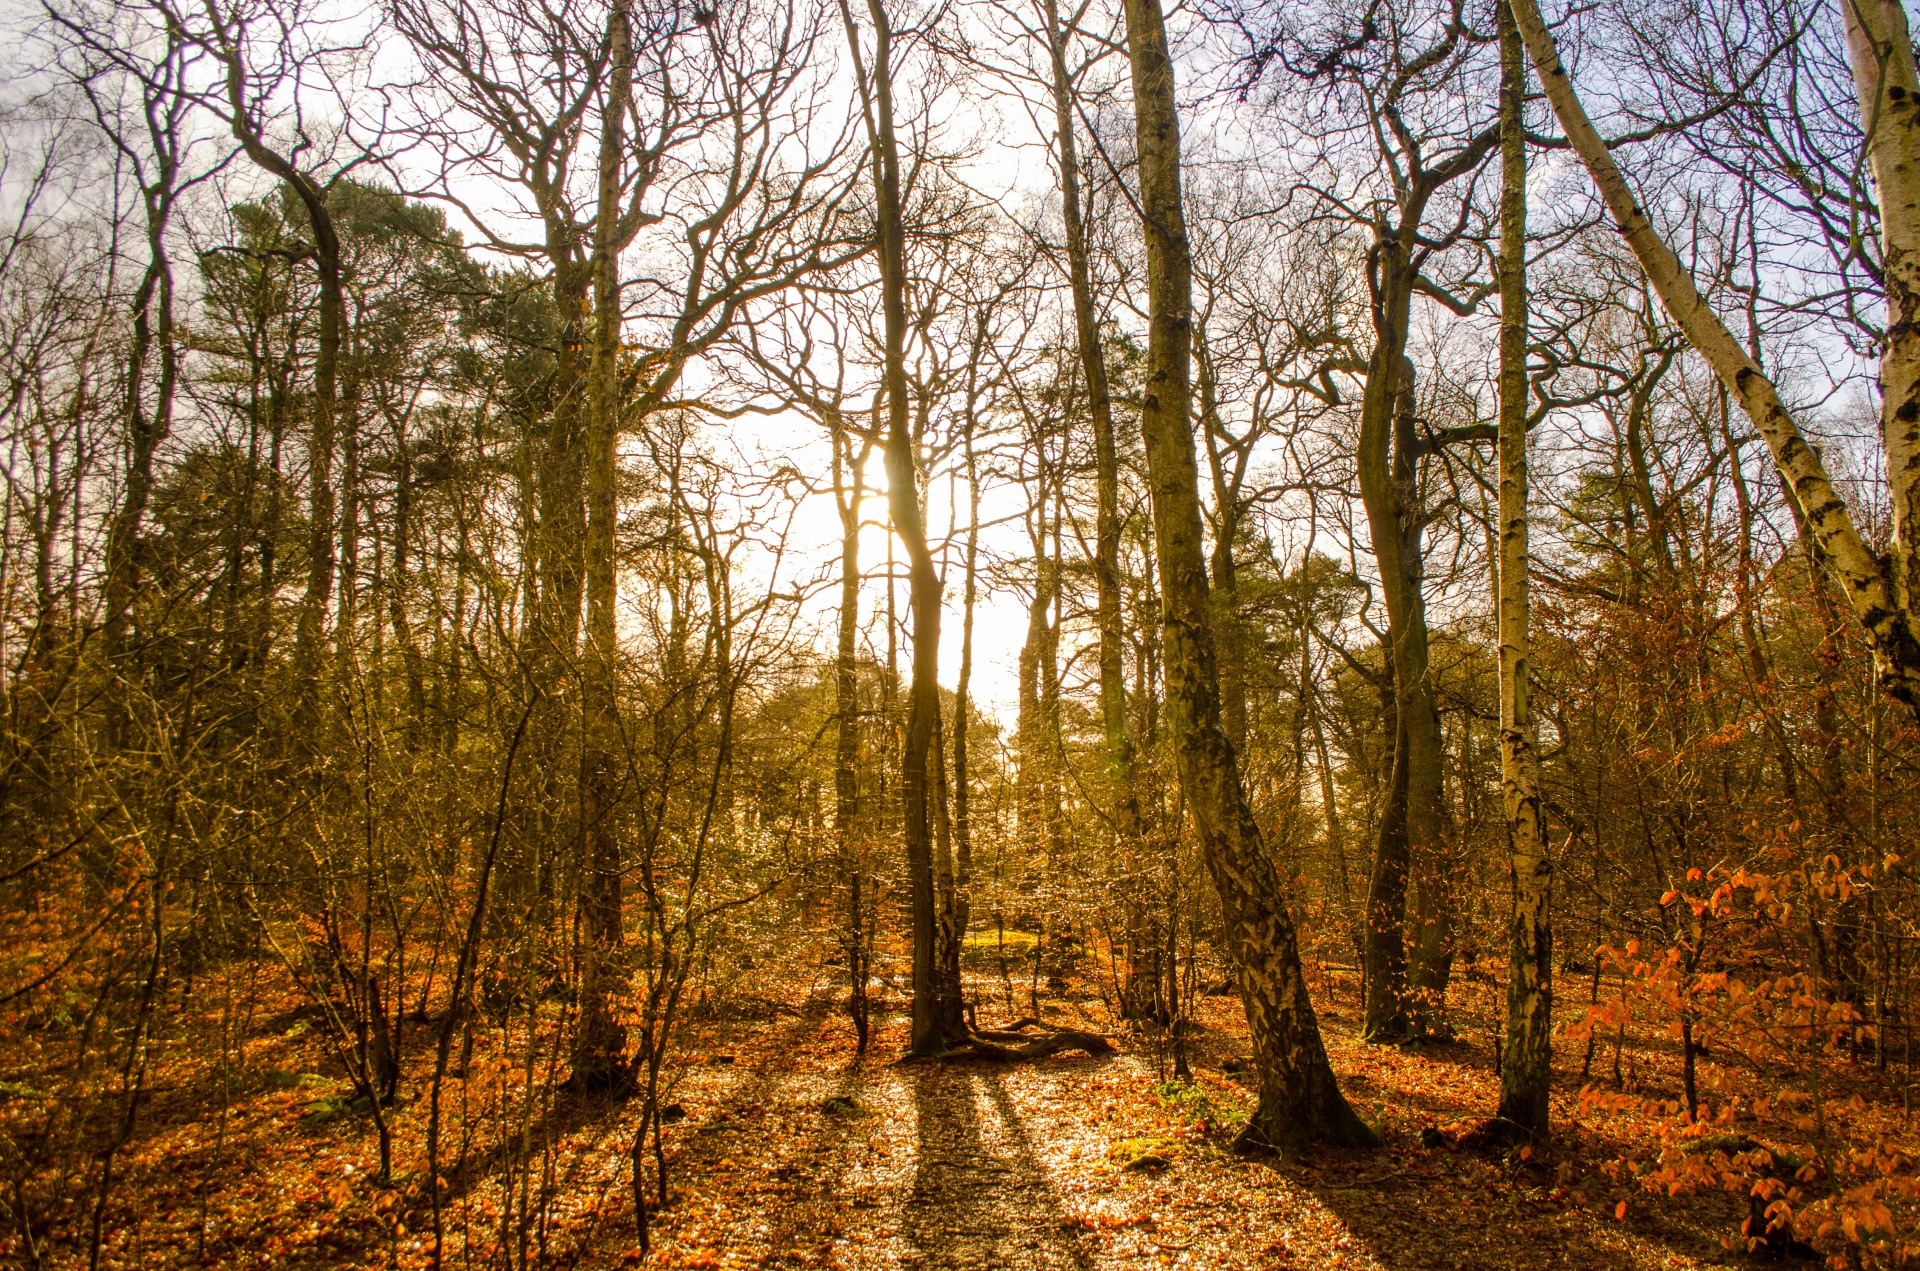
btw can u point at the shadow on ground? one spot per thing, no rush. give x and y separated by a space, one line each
980 1196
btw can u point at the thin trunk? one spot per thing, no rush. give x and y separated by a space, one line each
849 471
962 696
1228 634
951 931
1526 1073
903 502
403 633
1430 863
147 428
1055 770
347 429
1384 1015
600 1060
1336 836
310 629
1030 726
1118 742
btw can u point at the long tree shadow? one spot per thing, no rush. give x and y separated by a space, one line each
980 1195
1441 1211
560 1116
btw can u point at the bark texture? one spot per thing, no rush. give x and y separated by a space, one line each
1526 1074
849 470
600 1061
909 524
1117 738
1880 46
1299 1099
1406 990
310 628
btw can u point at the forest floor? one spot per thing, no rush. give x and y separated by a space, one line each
785 1152
1076 1162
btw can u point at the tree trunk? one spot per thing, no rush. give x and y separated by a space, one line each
1036 752
1412 1004
1123 802
398 617
1336 836
962 693
846 703
310 629
1880 46
153 329
1384 1016
600 1060
1229 635
903 503
1526 1073
1299 1099
1430 861
951 1009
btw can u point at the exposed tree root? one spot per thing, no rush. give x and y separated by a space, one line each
1015 1045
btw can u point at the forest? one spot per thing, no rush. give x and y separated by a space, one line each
959 633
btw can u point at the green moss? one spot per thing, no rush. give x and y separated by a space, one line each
1146 1153
288 1079
325 1109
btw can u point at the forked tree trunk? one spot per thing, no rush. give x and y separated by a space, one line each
1526 1073
1882 597
909 523
1409 951
1299 1098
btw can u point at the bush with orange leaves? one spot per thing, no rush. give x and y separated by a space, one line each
1785 1094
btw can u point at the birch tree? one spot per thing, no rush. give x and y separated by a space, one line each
1881 593
1526 1072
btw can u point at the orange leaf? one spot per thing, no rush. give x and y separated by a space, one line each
1620 1211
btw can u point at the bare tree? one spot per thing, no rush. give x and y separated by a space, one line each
1882 595
875 82
1526 1072
1299 1099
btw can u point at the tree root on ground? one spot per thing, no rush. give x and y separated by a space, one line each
1014 1044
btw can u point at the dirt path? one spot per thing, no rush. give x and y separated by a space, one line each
973 1191
925 1166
